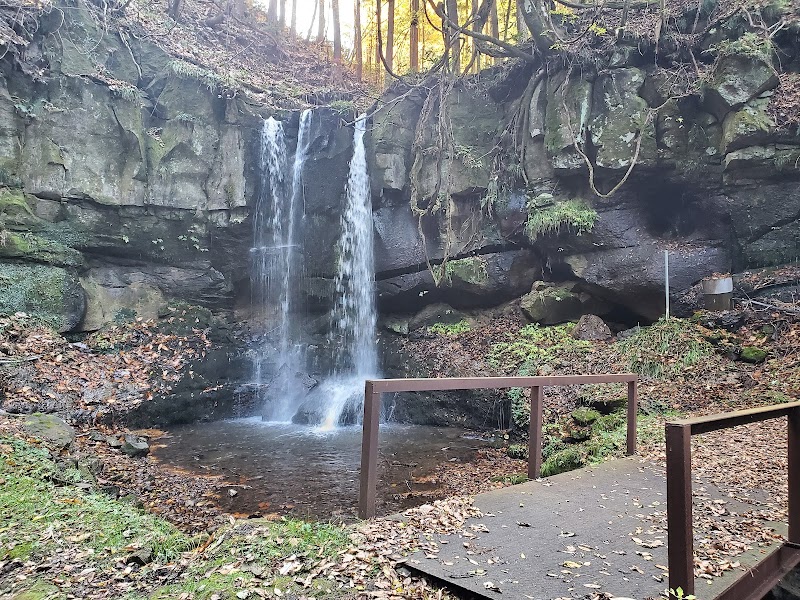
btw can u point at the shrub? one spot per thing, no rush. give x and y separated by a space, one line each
585 416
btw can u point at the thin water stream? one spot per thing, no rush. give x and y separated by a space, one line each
306 472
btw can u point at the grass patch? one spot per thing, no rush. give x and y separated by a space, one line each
547 215
665 348
256 549
450 329
513 479
30 502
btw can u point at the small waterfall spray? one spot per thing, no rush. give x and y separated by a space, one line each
277 266
353 317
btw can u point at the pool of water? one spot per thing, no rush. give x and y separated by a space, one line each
282 468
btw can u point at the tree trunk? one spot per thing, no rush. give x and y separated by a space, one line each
476 55
453 38
272 11
281 13
175 10
337 32
378 51
293 22
313 16
494 26
413 37
357 39
522 29
390 36
321 21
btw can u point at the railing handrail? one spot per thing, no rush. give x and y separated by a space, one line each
375 387
680 532
726 420
434 384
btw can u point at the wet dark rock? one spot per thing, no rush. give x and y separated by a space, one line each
135 446
551 303
591 328
433 314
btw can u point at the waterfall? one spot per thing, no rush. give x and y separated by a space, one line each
353 316
277 269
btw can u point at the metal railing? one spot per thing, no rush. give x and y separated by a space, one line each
372 408
680 541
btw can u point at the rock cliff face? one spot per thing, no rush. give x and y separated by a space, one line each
715 183
128 175
128 178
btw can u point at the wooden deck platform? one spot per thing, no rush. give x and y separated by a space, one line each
596 529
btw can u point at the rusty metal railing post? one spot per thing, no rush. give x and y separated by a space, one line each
794 475
369 452
535 433
680 543
633 410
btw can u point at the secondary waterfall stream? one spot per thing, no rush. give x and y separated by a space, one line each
277 268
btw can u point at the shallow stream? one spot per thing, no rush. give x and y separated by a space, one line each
288 469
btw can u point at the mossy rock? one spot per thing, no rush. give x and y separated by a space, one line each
609 422
568 459
52 294
29 247
753 354
585 416
54 432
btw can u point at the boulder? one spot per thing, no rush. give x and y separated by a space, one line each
550 303
52 430
591 328
737 79
135 446
474 281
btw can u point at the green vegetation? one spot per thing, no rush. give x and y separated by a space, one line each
753 354
748 44
343 107
261 548
473 269
517 451
533 346
513 479
547 215
450 329
567 459
212 81
102 531
666 348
